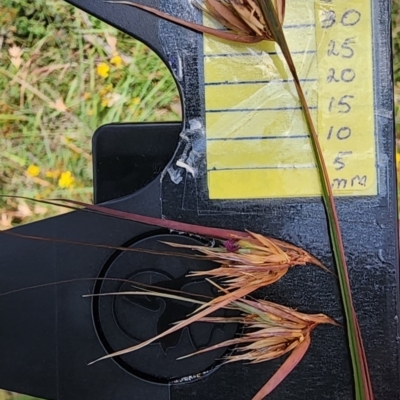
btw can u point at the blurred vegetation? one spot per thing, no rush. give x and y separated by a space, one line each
62 75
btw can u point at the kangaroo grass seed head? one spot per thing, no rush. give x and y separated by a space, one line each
255 260
254 250
244 17
270 331
244 20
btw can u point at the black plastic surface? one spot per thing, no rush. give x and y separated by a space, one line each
127 157
50 334
123 321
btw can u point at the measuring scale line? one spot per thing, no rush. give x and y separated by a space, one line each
291 26
298 26
307 166
265 123
260 137
257 53
259 82
250 154
231 110
258 68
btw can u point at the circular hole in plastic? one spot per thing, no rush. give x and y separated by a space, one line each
125 320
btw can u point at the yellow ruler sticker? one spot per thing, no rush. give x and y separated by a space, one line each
258 145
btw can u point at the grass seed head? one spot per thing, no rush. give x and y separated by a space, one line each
243 17
247 21
255 260
271 330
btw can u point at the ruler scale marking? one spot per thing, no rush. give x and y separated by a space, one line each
250 97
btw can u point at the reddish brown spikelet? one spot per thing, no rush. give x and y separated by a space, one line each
271 331
255 261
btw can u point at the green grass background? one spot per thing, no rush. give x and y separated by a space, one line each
52 98
62 75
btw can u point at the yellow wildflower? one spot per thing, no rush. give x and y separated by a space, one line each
116 60
135 101
86 96
33 170
103 70
398 159
105 101
66 180
106 89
